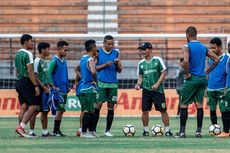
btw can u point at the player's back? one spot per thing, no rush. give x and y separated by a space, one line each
197 57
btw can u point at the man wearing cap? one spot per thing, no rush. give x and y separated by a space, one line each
151 74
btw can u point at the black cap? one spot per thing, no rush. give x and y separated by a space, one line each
145 45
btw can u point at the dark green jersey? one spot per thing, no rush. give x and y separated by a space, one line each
22 58
151 71
41 68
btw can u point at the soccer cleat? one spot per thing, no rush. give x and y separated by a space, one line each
46 135
108 134
87 135
93 133
198 134
222 135
33 134
58 134
21 132
78 133
145 133
180 135
168 134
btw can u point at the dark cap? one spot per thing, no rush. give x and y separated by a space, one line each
145 45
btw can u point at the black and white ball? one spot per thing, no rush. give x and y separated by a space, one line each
157 130
129 130
214 129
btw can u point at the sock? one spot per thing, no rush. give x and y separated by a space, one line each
226 121
57 124
23 125
91 123
109 120
45 131
85 122
80 129
146 129
183 119
96 116
223 120
213 117
31 131
200 114
167 128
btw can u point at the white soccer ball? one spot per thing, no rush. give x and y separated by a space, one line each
214 129
157 130
129 130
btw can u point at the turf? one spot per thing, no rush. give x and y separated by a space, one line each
10 142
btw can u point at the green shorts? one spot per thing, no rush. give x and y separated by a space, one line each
107 95
225 102
62 107
214 97
193 90
87 101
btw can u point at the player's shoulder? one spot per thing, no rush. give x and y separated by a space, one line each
141 61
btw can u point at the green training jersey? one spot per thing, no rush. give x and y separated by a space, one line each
151 71
23 57
41 68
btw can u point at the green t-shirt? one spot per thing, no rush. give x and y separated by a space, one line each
23 57
41 68
151 71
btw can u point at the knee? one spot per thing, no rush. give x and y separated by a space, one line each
110 106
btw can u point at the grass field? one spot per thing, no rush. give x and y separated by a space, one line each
10 142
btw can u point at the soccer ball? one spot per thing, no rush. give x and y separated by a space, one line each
214 130
129 130
157 130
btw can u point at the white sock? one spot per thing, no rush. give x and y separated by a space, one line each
45 131
167 128
31 131
23 125
146 129
80 129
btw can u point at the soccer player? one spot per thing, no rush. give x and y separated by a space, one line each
26 85
108 64
216 78
151 73
179 83
87 88
195 79
225 107
43 78
58 70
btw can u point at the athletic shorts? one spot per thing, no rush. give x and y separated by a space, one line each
45 106
193 90
26 92
225 102
87 101
107 95
152 97
62 106
214 97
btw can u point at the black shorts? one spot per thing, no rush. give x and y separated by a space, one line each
26 92
150 97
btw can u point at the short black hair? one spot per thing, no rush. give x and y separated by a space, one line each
216 41
43 45
89 44
108 37
25 37
62 43
191 30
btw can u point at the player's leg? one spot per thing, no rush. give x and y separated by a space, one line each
225 114
101 97
212 102
44 115
112 100
32 124
78 133
178 108
23 108
58 118
146 107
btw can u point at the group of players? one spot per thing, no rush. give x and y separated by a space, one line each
96 83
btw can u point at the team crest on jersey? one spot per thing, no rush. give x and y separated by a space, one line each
114 98
163 105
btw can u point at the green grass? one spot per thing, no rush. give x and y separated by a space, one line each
10 142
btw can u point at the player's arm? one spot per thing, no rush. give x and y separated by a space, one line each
16 72
102 66
51 67
215 59
186 62
160 80
77 77
32 78
92 70
139 82
118 65
45 88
